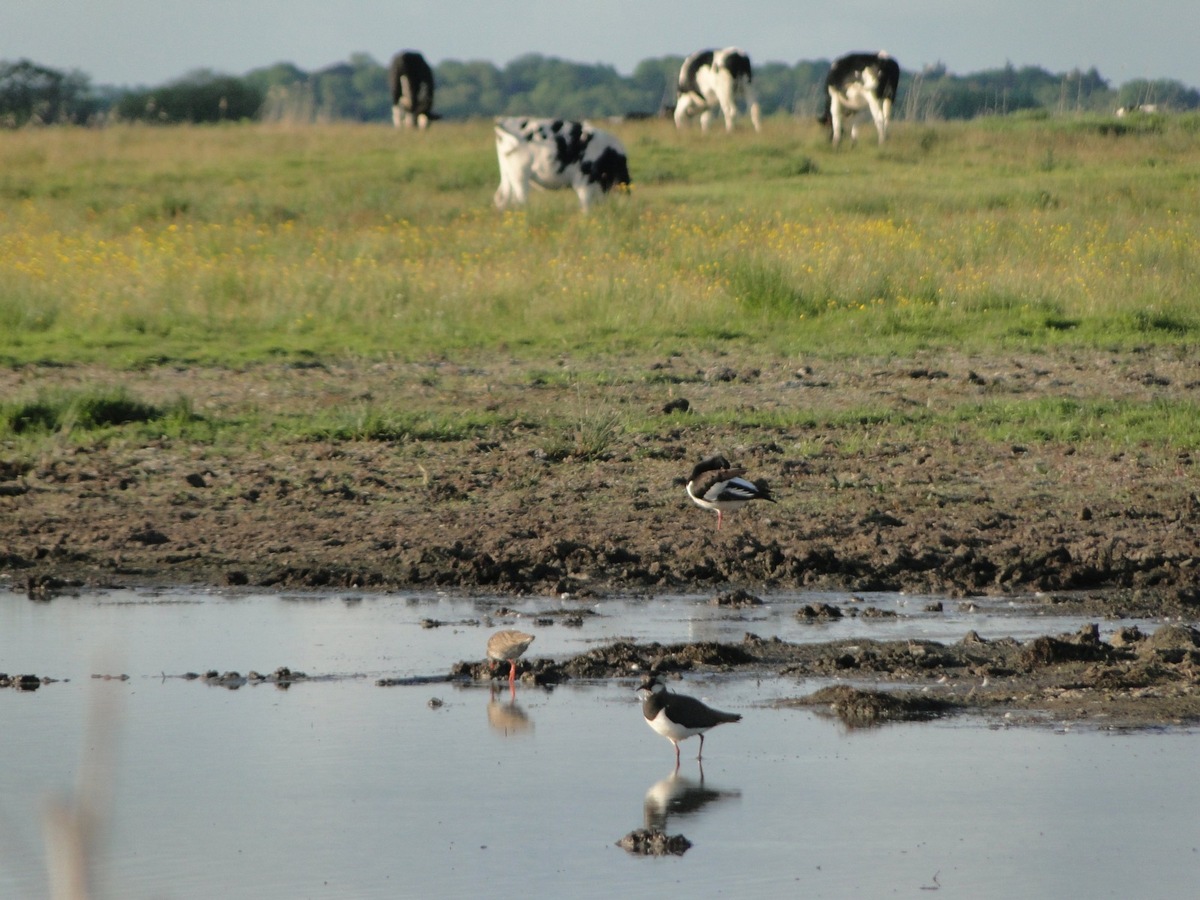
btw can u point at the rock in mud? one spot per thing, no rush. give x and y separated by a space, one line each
1173 644
859 708
736 599
651 842
818 612
22 682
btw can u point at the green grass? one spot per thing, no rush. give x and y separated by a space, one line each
129 249
91 413
236 244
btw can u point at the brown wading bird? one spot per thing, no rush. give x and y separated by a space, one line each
677 716
508 646
713 484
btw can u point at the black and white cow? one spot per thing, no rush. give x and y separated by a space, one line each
556 153
715 79
860 81
411 81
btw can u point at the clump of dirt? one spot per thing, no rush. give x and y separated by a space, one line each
623 659
23 682
283 677
819 612
736 599
858 708
650 842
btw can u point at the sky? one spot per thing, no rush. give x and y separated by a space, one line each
132 43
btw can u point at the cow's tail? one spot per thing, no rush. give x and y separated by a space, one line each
506 141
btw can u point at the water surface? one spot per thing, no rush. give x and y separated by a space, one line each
339 788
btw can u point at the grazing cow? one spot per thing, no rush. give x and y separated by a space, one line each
555 153
715 79
856 82
411 81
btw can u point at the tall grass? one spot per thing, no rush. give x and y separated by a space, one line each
239 243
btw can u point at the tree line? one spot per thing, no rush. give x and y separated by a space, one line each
357 90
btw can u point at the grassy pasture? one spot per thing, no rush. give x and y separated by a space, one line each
133 247
233 244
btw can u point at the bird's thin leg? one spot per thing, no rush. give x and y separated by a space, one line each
700 755
676 743
718 520
512 672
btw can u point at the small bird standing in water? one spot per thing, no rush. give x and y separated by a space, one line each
678 716
507 646
714 484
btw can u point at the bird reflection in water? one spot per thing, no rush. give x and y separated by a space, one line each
507 716
678 795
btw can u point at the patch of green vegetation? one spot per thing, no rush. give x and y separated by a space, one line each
589 438
1117 423
91 412
370 423
765 287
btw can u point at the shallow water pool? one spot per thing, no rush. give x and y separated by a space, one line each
340 788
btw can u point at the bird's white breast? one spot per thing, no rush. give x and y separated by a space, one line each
671 730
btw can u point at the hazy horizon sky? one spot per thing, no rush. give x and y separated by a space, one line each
148 42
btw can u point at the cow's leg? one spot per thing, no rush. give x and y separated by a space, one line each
877 115
835 118
586 192
397 121
422 121
752 102
503 193
705 118
729 113
518 185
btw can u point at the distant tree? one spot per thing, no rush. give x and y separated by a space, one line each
283 74
656 80
534 84
370 81
465 89
1163 93
200 96
30 93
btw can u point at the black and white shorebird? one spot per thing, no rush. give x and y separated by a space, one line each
715 484
678 716
507 646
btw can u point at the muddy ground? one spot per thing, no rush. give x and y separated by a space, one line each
1132 680
559 498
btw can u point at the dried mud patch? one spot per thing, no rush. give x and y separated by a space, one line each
557 497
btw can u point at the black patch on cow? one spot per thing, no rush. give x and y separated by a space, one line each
738 65
570 143
694 63
610 168
411 66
